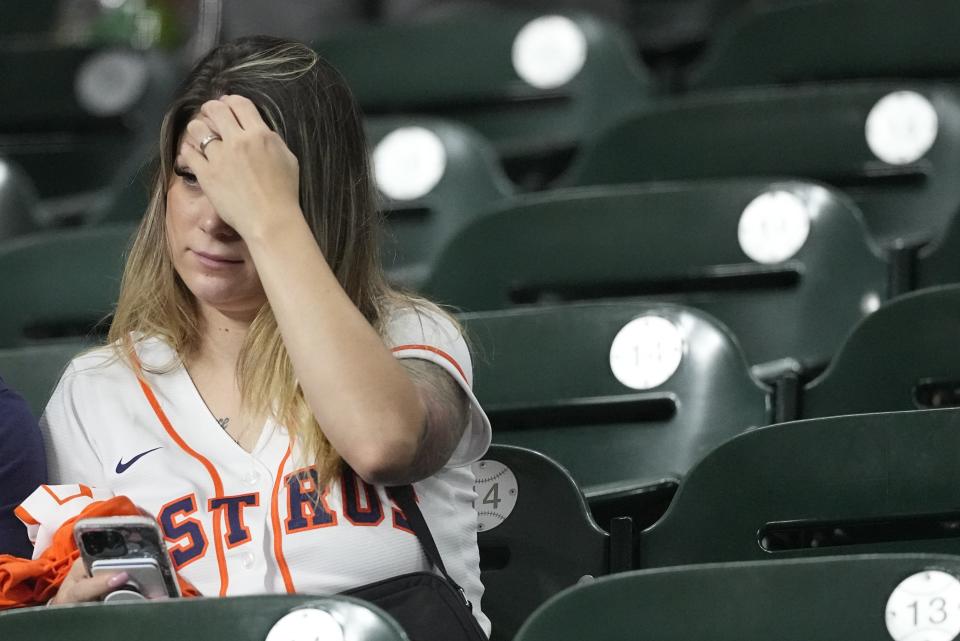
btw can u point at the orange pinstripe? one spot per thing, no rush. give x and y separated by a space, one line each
277 531
211 470
437 351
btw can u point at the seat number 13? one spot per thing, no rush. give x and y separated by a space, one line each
925 607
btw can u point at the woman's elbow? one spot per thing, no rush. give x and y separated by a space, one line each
391 461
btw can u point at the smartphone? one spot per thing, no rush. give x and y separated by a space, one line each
131 544
145 579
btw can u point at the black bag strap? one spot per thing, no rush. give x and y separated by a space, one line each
405 498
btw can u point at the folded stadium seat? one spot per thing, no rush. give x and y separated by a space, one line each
893 147
675 31
534 84
125 198
20 209
626 395
762 256
536 535
901 357
668 33
860 483
856 598
66 283
245 618
431 10
434 176
36 369
73 117
827 40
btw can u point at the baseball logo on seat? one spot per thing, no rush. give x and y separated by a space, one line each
496 488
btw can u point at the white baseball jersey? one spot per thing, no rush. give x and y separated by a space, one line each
239 522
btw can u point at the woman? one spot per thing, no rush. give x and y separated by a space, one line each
283 383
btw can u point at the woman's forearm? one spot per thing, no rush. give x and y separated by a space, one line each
363 399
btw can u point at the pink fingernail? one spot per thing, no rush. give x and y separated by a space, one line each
117 580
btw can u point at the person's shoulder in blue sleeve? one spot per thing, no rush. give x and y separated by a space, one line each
23 468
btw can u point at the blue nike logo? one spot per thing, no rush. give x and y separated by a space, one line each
123 467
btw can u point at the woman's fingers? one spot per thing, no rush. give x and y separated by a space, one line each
199 131
92 588
244 111
77 571
78 587
225 117
192 157
222 117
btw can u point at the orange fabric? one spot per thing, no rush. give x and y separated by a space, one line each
25 582
25 517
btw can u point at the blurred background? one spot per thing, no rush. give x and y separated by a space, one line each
84 81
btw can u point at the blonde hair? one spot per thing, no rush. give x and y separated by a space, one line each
307 102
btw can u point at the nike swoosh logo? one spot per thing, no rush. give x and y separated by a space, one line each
123 467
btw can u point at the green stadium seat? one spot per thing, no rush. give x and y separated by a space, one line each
462 68
20 210
828 40
901 357
73 117
792 600
680 242
536 535
894 148
626 396
35 370
936 263
434 177
246 618
670 33
855 484
125 198
65 283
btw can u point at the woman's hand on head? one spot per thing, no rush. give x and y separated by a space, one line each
78 586
249 175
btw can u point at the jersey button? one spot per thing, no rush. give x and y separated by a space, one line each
252 477
248 560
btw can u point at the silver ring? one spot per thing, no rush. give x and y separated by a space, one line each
206 141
